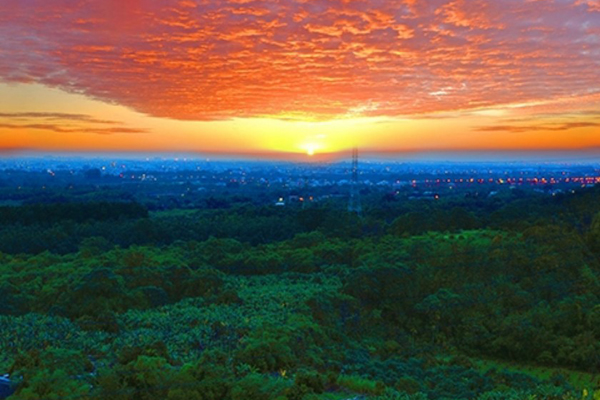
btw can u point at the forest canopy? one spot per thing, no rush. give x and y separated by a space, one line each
453 299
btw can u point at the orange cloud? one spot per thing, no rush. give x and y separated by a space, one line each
54 116
323 59
62 123
543 127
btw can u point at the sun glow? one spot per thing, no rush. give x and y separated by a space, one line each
314 146
86 124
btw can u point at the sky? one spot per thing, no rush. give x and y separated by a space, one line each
288 78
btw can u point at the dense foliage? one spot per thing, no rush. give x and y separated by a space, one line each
495 298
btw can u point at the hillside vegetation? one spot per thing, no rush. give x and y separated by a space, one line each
456 299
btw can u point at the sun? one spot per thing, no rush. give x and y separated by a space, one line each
311 148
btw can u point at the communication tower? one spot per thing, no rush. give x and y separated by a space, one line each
354 201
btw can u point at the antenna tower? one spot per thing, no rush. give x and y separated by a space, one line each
354 202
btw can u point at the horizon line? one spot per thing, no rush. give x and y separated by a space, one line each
438 155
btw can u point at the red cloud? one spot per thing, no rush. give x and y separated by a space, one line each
206 59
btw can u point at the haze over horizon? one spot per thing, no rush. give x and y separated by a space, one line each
288 79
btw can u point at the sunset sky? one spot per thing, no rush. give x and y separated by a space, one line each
279 77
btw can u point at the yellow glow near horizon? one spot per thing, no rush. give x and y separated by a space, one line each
36 117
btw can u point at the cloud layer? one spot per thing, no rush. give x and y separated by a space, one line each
63 123
217 59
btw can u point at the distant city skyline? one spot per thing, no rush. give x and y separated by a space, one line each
588 157
306 81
